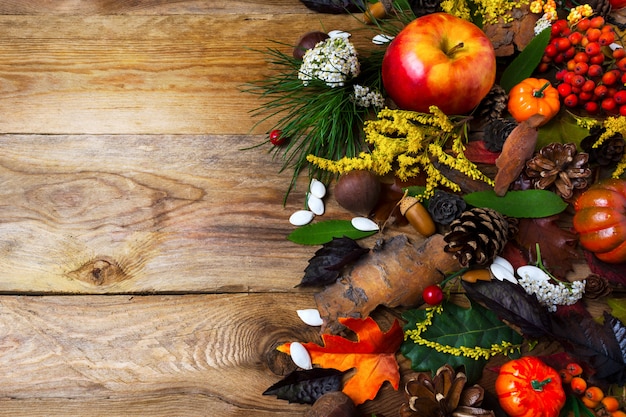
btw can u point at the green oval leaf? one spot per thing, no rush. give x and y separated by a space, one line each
519 204
525 63
323 232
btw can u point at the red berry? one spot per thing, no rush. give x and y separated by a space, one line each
610 77
560 74
601 91
571 65
591 107
608 104
589 85
578 80
571 100
596 22
620 97
621 64
562 44
583 25
433 295
619 53
622 110
277 138
580 57
568 77
550 51
558 59
543 67
585 96
581 68
595 70
575 38
593 48
564 89
606 39
593 34
597 59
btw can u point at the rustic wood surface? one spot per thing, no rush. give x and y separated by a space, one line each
144 268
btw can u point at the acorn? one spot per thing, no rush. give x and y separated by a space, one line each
358 191
308 41
417 215
332 404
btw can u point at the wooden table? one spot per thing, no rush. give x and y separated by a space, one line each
144 266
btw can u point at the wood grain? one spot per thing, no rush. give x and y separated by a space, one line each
174 74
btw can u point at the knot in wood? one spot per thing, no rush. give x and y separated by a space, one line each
100 272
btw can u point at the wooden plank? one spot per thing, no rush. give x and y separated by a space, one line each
191 355
148 7
107 214
140 74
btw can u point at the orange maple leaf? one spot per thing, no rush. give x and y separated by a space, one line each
373 355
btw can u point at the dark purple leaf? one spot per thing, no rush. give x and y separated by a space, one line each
511 303
306 386
615 273
326 265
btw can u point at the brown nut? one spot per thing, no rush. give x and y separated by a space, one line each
308 41
417 215
358 192
332 404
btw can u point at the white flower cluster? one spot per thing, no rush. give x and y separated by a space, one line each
332 61
366 97
536 281
542 23
550 294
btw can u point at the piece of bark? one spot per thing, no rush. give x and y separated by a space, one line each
511 37
393 274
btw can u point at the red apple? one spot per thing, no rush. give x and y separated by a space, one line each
617 4
442 60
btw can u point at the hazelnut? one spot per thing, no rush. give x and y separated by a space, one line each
308 41
358 192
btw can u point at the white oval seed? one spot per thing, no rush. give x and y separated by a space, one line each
532 272
502 273
381 39
364 224
315 204
338 34
310 316
301 217
317 188
504 263
300 356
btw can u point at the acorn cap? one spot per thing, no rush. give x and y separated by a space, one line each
406 203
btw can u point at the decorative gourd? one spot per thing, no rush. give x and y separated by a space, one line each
600 220
534 96
527 387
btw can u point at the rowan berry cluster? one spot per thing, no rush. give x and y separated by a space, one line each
592 397
591 65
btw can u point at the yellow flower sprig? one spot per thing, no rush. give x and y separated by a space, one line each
476 352
491 11
407 143
612 126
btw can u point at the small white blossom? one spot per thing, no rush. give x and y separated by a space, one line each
535 281
332 61
542 23
365 97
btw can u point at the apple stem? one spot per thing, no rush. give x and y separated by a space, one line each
539 93
455 48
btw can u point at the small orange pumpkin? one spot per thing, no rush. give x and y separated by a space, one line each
527 387
600 220
534 96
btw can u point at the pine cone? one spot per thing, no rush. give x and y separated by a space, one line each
477 236
424 7
445 395
608 153
559 167
445 207
597 286
493 104
496 131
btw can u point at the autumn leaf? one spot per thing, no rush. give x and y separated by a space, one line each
306 386
557 245
373 355
326 265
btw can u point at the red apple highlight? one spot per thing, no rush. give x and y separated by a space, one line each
442 60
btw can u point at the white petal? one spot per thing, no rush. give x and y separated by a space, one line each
300 356
301 217
364 224
381 39
532 272
310 316
338 34
504 263
502 273
315 204
317 188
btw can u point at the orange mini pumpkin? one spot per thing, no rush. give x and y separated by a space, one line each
527 387
600 220
534 96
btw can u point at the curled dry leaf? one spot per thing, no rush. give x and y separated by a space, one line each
517 149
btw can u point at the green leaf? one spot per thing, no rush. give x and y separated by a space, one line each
519 204
323 232
618 308
525 63
561 129
456 326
